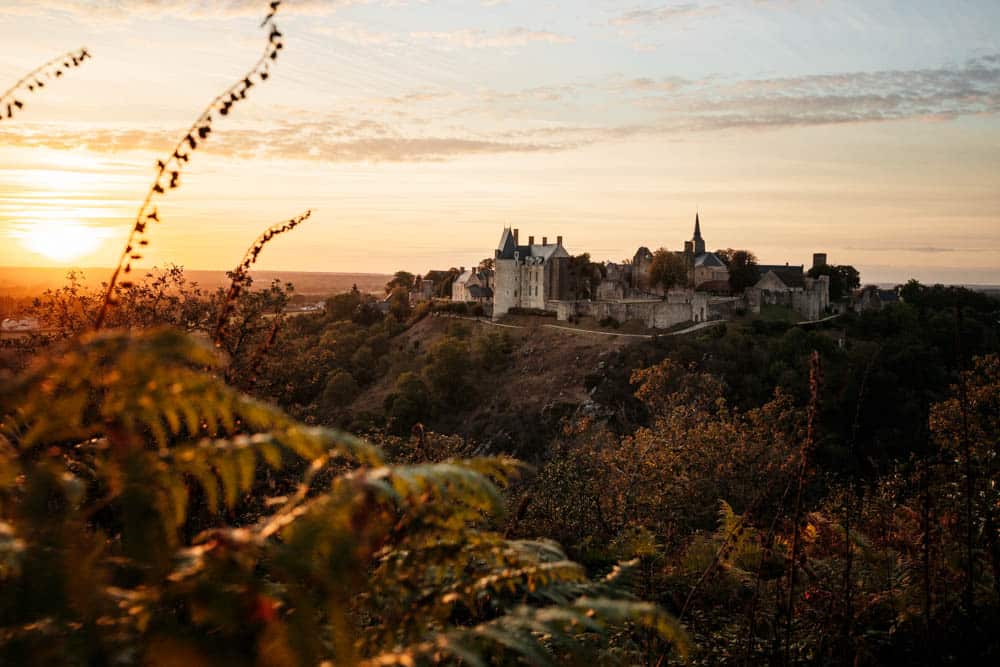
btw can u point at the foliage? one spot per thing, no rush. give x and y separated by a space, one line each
162 297
843 279
742 265
667 270
118 454
583 276
400 280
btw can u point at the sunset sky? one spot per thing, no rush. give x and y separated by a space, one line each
416 129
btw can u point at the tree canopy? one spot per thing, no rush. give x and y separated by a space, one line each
668 269
843 279
742 264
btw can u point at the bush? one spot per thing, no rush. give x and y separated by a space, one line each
114 547
340 390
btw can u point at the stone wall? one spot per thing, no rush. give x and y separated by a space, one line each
507 286
653 313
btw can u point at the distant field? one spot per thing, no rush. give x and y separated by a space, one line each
29 281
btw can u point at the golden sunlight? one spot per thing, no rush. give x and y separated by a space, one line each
61 240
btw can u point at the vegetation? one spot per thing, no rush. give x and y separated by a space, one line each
742 265
667 270
757 493
843 279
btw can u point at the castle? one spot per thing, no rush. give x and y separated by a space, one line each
538 276
529 276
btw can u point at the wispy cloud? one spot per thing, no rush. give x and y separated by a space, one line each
478 39
181 8
420 125
663 14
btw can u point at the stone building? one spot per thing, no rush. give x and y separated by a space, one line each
703 268
531 275
789 286
473 285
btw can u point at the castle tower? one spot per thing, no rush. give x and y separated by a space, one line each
699 243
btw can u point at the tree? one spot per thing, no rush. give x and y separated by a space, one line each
742 265
399 303
843 279
403 279
487 264
667 269
340 390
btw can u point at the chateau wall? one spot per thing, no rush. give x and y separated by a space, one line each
654 314
508 286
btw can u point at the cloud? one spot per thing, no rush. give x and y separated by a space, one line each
477 39
328 141
431 124
929 250
663 14
936 94
181 8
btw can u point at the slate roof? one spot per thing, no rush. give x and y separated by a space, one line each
508 247
709 259
480 292
792 276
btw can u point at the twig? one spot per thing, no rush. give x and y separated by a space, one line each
181 155
32 81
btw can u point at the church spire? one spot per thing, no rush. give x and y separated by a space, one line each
699 242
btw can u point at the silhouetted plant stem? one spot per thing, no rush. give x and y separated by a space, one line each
966 447
33 80
804 451
240 275
169 170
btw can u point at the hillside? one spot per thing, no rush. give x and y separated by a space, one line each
549 375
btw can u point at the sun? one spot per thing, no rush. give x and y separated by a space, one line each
62 241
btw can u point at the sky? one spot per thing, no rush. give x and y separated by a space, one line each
417 129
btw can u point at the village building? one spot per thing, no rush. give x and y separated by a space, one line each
536 276
473 286
703 267
532 276
789 286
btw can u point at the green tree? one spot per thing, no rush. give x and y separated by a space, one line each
340 390
399 304
667 269
843 279
742 265
400 279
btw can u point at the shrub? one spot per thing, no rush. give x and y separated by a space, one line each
117 459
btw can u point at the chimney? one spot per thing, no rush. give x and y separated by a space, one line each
461 269
515 236
545 240
558 240
689 247
819 259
